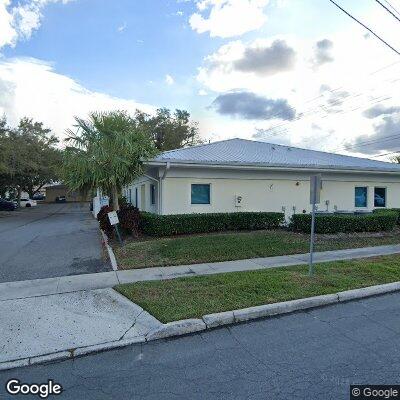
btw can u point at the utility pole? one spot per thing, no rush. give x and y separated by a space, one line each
315 198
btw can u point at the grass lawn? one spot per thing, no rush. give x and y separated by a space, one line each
193 297
236 246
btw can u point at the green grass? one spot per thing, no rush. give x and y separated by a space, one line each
193 297
234 246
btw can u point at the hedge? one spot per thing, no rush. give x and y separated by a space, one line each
334 223
168 225
396 210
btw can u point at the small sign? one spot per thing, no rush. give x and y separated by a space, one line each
113 218
104 201
315 189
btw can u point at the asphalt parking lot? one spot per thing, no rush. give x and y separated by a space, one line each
50 240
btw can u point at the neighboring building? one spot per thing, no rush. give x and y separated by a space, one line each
54 191
244 175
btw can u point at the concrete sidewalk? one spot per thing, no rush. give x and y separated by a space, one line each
74 283
46 328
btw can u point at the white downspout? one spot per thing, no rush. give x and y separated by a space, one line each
167 167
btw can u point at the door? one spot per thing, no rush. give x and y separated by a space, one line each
143 197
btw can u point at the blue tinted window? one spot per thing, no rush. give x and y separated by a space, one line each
380 197
153 194
361 197
200 194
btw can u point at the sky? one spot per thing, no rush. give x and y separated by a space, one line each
300 73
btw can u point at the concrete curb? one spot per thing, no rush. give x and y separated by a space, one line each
110 251
210 321
70 354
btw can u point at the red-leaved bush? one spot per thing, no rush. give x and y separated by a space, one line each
129 218
104 223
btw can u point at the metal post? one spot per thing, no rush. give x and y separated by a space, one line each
311 268
119 235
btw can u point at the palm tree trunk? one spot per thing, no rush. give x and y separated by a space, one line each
114 193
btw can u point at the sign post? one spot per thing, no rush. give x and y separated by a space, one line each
315 198
114 221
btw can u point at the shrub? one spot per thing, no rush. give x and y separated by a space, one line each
334 223
396 210
168 225
104 223
129 217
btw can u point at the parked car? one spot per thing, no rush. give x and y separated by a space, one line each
26 202
39 196
6 205
61 199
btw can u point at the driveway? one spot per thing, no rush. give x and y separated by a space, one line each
50 240
316 354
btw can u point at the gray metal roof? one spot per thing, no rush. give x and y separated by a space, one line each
249 152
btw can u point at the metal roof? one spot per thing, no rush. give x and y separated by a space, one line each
253 153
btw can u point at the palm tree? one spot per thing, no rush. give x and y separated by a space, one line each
106 152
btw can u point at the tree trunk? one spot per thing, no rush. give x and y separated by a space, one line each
19 196
114 195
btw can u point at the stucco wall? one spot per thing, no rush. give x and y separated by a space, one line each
142 184
270 191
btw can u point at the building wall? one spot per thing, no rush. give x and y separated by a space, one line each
271 191
143 201
71 196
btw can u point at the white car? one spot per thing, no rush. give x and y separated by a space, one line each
26 202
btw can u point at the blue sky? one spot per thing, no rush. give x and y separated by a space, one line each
71 56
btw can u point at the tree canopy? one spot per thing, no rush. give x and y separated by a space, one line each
106 151
29 157
169 131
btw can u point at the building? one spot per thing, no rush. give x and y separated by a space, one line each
60 190
244 175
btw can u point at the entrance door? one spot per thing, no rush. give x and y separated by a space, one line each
143 197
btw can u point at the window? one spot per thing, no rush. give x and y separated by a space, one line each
130 196
360 199
136 197
153 194
200 194
380 197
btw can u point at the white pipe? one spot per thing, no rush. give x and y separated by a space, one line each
167 167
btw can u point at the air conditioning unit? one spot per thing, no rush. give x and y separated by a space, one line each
238 200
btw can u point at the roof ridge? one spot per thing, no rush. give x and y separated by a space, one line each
315 151
354 159
199 145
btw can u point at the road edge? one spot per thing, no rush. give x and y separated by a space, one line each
210 321
110 251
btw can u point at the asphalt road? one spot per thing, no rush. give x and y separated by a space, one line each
306 355
49 240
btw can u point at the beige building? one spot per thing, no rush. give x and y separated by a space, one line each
54 191
243 175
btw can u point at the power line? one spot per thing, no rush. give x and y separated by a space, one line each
386 154
392 7
365 26
369 142
389 11
309 111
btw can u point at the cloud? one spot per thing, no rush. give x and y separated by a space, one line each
169 80
322 52
248 105
379 109
228 18
386 137
202 92
30 87
19 21
267 60
122 27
